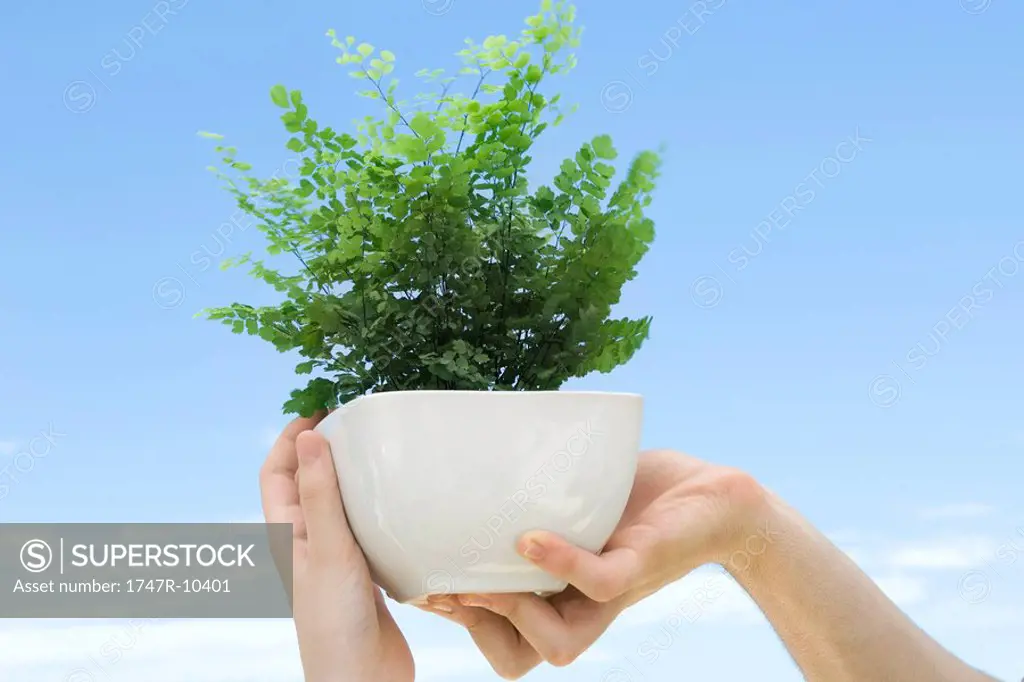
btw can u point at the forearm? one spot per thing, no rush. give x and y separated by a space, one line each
836 623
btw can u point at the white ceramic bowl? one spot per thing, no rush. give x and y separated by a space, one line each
439 485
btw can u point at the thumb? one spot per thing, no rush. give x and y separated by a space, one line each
601 577
328 538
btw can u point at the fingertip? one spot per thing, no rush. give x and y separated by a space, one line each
475 601
537 545
310 447
440 603
298 426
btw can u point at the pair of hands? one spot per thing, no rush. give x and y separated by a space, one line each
682 513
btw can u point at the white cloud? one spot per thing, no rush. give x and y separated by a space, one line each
706 595
967 510
902 589
988 616
175 650
595 655
711 596
857 555
946 554
436 663
266 651
167 650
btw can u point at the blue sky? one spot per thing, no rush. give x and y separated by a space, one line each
836 285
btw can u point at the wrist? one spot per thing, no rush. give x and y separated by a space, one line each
753 528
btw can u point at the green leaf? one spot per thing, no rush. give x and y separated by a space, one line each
210 136
279 95
423 124
603 147
419 249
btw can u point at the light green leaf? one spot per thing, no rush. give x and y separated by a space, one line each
420 244
279 95
603 147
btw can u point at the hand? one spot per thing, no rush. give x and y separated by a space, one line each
344 629
682 513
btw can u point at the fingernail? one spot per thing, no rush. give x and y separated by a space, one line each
533 550
443 608
474 600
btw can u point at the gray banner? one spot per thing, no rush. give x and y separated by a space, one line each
147 570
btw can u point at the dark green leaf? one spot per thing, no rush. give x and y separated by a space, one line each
423 257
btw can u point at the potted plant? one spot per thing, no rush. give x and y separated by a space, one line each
440 301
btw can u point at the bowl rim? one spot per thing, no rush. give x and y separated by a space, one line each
436 392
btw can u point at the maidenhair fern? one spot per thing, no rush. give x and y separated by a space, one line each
424 260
